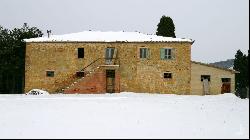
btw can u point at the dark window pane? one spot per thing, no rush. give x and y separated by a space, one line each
166 51
168 75
50 73
80 52
169 51
226 80
205 77
143 53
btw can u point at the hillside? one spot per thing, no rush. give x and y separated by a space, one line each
224 64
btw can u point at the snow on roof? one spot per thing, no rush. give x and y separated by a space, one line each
98 36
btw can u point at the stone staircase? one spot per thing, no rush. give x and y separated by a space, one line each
94 80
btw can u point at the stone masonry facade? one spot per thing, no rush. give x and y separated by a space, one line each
133 74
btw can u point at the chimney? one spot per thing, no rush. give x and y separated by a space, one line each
48 32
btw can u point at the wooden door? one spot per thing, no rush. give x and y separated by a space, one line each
110 81
226 88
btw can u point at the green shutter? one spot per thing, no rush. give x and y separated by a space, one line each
173 53
162 53
148 53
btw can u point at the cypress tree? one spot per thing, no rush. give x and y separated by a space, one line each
241 79
166 27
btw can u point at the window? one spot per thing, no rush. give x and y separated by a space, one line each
167 53
50 73
80 74
205 77
167 75
109 53
80 52
225 80
144 53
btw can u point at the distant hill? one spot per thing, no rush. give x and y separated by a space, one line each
224 64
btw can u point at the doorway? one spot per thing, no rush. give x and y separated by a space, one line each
110 81
226 85
206 84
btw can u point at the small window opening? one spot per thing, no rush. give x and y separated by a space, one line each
80 52
226 80
50 73
205 77
167 75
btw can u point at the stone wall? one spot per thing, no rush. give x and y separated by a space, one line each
215 81
136 75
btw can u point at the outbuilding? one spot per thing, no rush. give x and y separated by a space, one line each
207 79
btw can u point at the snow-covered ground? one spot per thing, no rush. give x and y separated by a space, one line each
124 115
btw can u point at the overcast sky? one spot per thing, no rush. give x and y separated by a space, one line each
219 27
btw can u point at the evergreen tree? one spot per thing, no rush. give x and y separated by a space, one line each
12 54
241 79
166 27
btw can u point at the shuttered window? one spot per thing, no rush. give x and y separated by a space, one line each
144 53
167 53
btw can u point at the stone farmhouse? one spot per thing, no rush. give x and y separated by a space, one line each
113 62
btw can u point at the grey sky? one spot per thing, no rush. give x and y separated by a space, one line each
219 27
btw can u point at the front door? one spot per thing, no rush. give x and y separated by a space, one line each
110 81
109 53
225 88
226 85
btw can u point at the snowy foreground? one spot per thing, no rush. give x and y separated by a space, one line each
124 115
